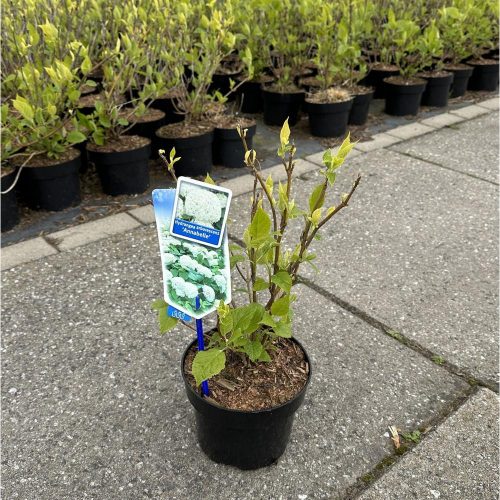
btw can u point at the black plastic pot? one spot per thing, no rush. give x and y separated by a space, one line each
166 104
244 439
375 79
195 153
360 107
250 94
54 187
228 149
328 120
461 77
278 107
148 129
223 85
403 99
484 76
10 211
437 90
122 172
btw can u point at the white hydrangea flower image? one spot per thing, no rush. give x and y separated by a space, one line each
168 275
195 249
204 271
187 262
222 199
169 258
178 285
203 206
209 293
190 290
221 282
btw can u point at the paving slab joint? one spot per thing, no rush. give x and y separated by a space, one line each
401 338
366 481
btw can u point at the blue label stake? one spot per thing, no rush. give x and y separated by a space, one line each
201 345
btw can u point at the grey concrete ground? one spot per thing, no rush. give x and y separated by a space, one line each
92 401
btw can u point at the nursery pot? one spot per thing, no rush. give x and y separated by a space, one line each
195 152
278 107
10 212
376 79
461 75
437 89
147 127
250 94
244 439
221 83
166 104
403 98
123 171
328 119
228 149
360 107
52 187
484 75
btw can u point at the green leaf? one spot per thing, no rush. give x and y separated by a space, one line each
283 280
75 136
158 304
247 318
209 179
317 197
86 65
281 306
285 134
24 107
165 321
253 349
283 329
260 284
208 363
268 320
316 217
261 224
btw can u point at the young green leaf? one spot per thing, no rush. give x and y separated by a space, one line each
208 363
281 306
285 134
209 179
283 280
75 136
317 197
260 284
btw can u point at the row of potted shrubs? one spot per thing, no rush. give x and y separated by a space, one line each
182 76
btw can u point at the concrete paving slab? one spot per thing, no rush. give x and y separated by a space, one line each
442 120
469 112
378 141
471 148
457 461
405 132
94 407
417 249
493 104
25 251
144 214
92 231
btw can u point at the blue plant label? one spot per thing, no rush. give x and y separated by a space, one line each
196 278
175 313
200 212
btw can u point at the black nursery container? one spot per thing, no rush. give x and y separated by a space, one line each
484 76
250 94
195 152
228 149
122 172
222 83
53 187
461 76
166 104
437 90
376 79
10 212
329 119
360 108
278 107
403 99
244 439
148 129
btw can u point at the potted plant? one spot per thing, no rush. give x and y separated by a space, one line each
482 29
193 137
121 159
286 52
46 90
404 92
456 40
438 80
243 425
378 46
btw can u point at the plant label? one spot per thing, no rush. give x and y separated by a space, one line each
201 211
175 313
191 271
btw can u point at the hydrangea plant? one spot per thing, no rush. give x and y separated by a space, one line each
268 268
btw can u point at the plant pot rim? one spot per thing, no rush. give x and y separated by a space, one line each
55 162
202 400
209 129
414 81
94 148
267 90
